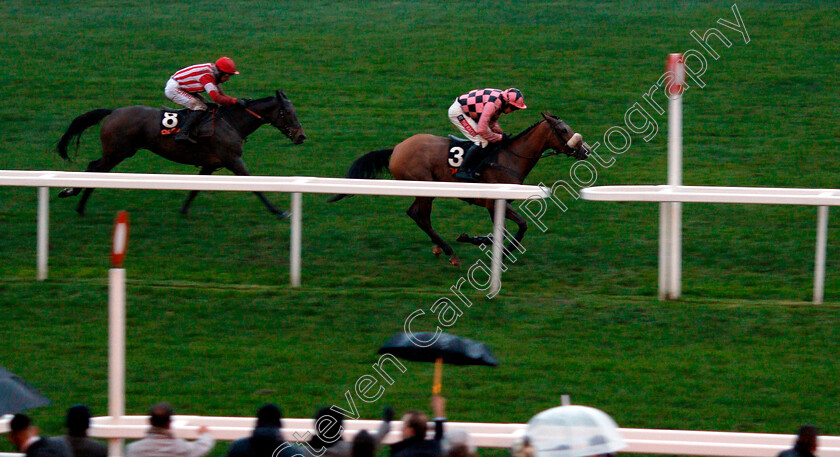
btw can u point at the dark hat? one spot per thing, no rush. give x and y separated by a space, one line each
364 444
333 429
77 420
20 422
269 415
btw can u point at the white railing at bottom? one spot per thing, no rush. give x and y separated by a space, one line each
483 435
296 185
669 251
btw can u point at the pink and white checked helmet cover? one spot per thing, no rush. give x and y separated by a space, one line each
514 97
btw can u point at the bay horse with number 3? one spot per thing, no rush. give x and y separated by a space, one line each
425 157
128 129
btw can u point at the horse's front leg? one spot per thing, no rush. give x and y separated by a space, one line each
521 227
421 212
510 214
271 208
476 240
238 168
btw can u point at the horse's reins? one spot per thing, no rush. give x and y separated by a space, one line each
262 119
515 173
544 154
253 114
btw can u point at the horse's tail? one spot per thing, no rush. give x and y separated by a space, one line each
79 125
368 166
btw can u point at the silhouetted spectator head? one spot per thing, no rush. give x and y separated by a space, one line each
807 438
328 425
21 431
160 415
20 422
414 424
269 415
77 420
363 445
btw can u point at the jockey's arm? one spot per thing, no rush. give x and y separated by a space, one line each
494 126
216 93
218 96
485 124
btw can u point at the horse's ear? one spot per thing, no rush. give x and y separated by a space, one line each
547 115
280 94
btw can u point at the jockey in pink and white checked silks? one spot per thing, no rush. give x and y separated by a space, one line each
476 113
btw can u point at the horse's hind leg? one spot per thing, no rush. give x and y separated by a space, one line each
421 212
186 207
102 165
73 191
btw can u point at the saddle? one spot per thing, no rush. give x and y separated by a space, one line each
459 146
172 119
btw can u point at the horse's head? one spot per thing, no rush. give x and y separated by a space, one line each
565 140
284 118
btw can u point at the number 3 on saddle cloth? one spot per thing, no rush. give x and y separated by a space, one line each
171 121
458 148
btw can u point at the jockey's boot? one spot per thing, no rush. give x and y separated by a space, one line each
472 158
184 132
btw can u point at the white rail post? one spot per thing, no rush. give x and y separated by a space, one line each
116 329
819 259
670 216
116 352
43 243
498 241
294 250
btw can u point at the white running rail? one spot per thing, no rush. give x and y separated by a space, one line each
295 185
821 198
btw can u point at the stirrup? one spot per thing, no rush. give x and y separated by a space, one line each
185 137
466 176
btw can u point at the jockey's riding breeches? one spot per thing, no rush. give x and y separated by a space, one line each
192 101
465 124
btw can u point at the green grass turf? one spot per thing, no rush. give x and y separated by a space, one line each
213 326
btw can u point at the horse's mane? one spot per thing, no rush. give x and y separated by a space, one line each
224 110
527 130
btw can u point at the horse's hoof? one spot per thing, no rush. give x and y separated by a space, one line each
454 260
67 192
463 238
283 215
437 250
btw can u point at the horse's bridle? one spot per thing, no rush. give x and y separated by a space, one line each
548 153
281 113
554 152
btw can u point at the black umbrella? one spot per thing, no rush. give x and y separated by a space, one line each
446 348
16 395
